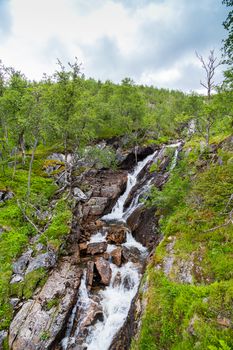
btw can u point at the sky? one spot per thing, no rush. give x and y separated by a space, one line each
151 41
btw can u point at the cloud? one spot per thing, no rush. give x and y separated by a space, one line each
153 42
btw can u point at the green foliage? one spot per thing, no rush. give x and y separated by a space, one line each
60 225
195 205
51 303
32 280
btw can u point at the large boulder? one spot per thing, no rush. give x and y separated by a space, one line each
46 260
96 248
21 264
104 270
116 255
116 234
5 195
144 226
36 326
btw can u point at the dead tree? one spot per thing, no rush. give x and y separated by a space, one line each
210 65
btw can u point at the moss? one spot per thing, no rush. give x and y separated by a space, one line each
194 202
60 225
18 231
51 303
26 288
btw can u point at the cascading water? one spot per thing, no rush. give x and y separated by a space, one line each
114 300
117 213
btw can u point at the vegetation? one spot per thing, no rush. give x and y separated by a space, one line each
68 113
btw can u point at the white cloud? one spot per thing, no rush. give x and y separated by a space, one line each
142 39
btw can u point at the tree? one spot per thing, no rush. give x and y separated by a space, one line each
209 111
228 42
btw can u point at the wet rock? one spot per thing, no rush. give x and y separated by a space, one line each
90 274
83 246
96 248
5 195
34 321
144 226
79 195
94 313
117 280
21 264
116 256
131 254
116 234
104 270
46 260
127 159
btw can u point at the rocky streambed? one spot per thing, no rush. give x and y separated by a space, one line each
89 292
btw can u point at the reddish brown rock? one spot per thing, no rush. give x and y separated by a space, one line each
90 274
116 234
83 246
96 248
116 255
104 270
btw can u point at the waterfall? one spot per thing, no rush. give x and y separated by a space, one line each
115 299
117 212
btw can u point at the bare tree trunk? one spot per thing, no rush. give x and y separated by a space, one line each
30 167
15 162
22 146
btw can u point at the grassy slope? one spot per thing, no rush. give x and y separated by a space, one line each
197 315
18 231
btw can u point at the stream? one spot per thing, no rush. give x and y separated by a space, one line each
114 300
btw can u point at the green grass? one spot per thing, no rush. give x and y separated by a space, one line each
195 200
17 231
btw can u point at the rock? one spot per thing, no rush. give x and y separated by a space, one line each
21 264
96 206
144 226
46 260
99 224
223 321
14 302
3 336
96 248
35 327
57 156
104 270
127 159
90 274
110 191
116 256
117 280
79 195
83 246
116 234
5 195
40 247
131 254
94 313
16 279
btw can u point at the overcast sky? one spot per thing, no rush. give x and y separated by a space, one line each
151 41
